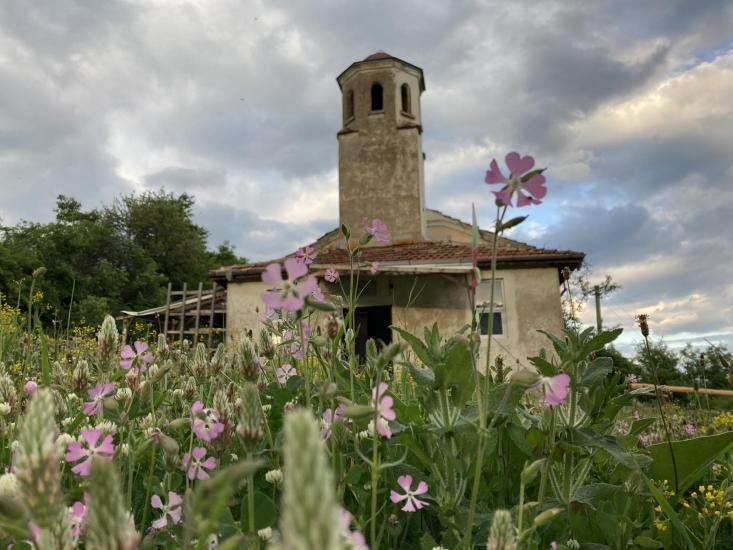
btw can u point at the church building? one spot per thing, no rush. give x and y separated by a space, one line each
423 275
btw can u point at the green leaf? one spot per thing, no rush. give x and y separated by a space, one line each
457 371
669 512
265 511
595 492
417 346
596 371
543 366
609 444
638 426
647 542
597 342
422 377
693 456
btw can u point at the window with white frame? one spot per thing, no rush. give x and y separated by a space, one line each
483 301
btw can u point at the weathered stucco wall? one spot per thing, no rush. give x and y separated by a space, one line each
380 152
531 302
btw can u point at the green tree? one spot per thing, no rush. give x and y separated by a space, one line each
661 357
224 255
708 367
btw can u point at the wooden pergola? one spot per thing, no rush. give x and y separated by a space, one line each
195 313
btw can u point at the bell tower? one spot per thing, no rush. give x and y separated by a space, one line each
380 146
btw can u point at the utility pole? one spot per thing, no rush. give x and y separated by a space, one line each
597 292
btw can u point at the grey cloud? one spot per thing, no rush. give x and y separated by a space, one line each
186 179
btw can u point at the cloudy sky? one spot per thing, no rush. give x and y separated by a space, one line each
629 104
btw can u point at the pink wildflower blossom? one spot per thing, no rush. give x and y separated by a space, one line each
78 516
284 373
141 355
104 451
556 389
98 394
412 503
329 417
383 403
690 429
30 387
358 542
172 509
377 229
518 166
206 423
288 295
306 255
318 295
331 275
632 379
196 468
374 269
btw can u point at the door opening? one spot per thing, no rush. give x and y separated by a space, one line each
372 322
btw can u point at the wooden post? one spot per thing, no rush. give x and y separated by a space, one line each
125 326
211 315
198 314
183 311
167 312
599 321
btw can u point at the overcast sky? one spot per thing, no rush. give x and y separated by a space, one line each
629 104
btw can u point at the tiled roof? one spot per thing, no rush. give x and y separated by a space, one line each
510 253
378 55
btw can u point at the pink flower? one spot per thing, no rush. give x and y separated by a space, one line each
412 503
376 230
356 537
128 357
375 268
284 373
78 515
317 295
518 166
197 468
632 379
104 451
556 388
98 394
383 403
30 388
331 275
329 417
306 255
690 429
644 440
172 509
206 423
288 295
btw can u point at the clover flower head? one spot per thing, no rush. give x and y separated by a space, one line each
288 294
412 503
172 510
383 404
331 275
556 388
194 464
98 394
374 269
306 255
519 181
284 373
206 423
104 450
377 229
30 388
139 355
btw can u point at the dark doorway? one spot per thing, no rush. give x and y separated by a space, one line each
372 322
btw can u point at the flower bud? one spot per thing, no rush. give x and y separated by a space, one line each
109 524
247 361
265 534
501 535
7 390
547 516
267 347
274 476
80 375
251 419
643 321
219 360
108 341
190 388
5 409
8 486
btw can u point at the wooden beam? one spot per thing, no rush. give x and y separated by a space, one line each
183 313
211 315
685 389
198 314
167 311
